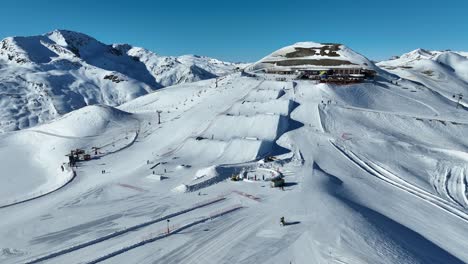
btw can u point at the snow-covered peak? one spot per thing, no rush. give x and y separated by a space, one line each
125 48
70 38
45 48
445 71
463 53
26 50
412 57
419 54
49 75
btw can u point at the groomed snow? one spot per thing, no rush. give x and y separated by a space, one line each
375 173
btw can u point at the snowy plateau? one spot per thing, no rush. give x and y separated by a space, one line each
112 154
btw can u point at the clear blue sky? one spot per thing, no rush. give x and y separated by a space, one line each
246 30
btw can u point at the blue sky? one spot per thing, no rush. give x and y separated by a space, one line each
244 30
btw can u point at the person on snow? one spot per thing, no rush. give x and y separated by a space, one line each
282 222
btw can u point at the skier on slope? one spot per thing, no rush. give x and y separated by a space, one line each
282 222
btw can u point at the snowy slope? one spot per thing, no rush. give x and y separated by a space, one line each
43 149
446 72
43 77
375 172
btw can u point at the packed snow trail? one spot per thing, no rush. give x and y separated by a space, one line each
161 236
123 231
60 136
398 182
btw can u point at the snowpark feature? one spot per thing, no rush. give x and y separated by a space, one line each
374 172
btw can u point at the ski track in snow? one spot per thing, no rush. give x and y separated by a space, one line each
57 135
122 232
451 185
400 114
398 182
161 236
411 99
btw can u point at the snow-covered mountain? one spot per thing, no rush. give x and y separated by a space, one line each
43 77
445 72
375 172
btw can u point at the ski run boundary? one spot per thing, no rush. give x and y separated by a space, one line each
164 235
33 196
124 231
398 182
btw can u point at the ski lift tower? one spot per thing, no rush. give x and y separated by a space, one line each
159 116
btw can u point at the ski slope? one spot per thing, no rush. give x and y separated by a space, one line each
375 172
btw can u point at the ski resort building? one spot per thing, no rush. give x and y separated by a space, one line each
322 62
327 74
338 74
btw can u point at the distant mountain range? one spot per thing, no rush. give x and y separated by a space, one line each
445 72
43 77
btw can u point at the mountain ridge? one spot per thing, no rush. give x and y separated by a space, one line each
45 76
